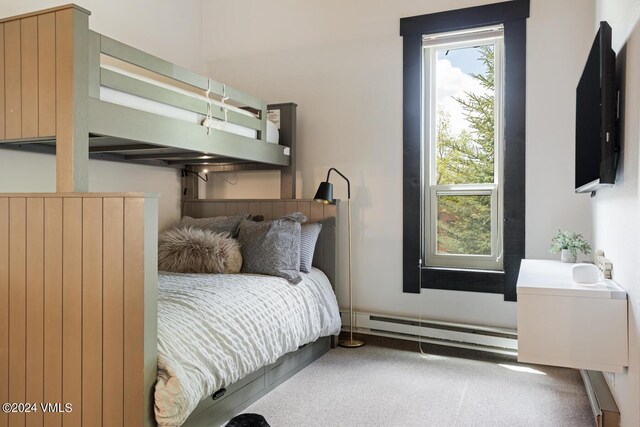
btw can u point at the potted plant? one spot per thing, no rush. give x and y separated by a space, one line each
569 244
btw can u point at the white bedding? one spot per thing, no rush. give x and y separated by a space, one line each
215 329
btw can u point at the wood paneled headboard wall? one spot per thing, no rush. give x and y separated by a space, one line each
324 256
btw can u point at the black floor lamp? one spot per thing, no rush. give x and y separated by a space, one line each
325 195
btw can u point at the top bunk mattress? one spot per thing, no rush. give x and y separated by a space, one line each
125 99
214 329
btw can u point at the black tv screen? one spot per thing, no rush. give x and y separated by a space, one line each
596 97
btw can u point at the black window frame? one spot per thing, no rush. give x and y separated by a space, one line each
512 15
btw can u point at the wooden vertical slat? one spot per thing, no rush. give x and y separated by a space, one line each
133 312
113 332
243 207
218 209
230 208
290 207
305 207
72 311
4 306
206 210
92 311
12 82
266 209
254 208
315 212
35 307
47 74
2 91
53 307
278 209
29 69
17 305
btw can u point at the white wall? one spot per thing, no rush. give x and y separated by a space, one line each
150 25
342 63
616 211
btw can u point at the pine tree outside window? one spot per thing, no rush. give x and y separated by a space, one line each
462 145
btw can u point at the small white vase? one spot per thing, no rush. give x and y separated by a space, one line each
567 256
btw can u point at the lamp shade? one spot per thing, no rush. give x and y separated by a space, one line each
325 193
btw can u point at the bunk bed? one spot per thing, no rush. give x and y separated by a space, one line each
78 270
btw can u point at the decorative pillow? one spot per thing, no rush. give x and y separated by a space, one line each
193 250
308 237
217 224
272 247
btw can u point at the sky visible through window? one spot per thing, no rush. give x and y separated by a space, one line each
453 78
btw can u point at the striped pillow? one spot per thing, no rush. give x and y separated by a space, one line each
308 237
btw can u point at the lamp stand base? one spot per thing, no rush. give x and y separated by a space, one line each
351 343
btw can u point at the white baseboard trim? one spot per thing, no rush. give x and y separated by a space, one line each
474 337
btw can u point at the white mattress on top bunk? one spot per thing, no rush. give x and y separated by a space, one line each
125 99
214 329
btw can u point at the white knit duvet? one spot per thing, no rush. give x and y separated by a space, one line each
214 329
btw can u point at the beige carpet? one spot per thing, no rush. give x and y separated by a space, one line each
377 385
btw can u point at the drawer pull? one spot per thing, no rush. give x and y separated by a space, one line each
218 394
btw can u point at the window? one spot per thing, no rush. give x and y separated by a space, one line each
464 230
462 141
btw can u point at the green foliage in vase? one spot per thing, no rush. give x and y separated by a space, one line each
573 242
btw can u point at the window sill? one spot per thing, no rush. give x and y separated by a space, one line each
473 270
466 280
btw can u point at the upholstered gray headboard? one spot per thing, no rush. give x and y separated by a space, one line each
324 257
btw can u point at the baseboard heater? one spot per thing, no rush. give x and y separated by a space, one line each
605 410
474 337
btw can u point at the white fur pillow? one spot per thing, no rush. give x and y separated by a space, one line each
193 250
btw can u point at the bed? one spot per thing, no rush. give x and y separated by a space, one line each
78 269
244 323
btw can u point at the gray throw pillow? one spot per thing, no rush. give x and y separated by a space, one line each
193 250
217 224
308 238
272 247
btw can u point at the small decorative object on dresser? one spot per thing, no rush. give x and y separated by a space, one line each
569 243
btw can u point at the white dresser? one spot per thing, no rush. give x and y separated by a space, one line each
563 323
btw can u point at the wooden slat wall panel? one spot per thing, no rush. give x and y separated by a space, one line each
13 77
133 312
112 367
92 312
17 305
29 69
72 311
290 207
35 307
278 209
254 208
72 301
218 210
4 306
2 91
53 307
47 74
242 207
305 207
266 209
231 208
